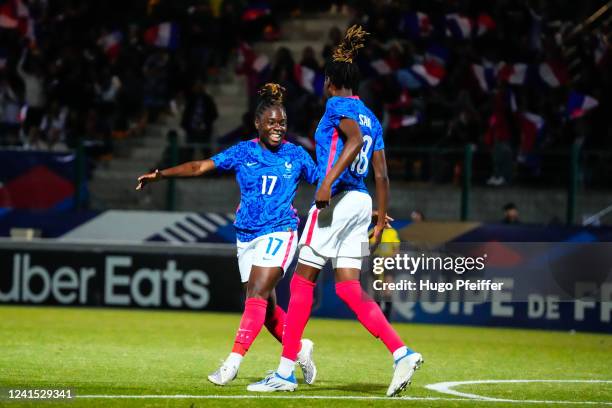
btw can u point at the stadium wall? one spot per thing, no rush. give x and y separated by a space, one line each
438 202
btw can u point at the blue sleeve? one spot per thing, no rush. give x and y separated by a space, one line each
229 158
309 168
340 108
379 143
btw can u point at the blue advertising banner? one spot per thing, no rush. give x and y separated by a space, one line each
37 180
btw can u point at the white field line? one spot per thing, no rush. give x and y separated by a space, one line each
277 397
337 397
443 387
447 388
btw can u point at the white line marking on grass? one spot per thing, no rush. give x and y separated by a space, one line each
447 388
471 398
258 396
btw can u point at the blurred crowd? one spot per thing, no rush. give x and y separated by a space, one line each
517 80
98 72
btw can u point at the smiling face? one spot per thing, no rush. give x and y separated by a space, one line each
271 126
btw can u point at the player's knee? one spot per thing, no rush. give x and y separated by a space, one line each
258 292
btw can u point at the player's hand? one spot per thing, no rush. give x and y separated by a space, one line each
148 178
387 219
376 236
323 196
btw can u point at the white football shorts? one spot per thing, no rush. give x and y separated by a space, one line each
339 232
271 250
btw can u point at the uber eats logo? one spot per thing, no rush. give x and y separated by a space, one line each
115 280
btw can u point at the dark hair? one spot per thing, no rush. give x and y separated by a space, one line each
270 95
342 70
419 213
510 206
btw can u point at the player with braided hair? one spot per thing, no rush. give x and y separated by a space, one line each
347 138
268 170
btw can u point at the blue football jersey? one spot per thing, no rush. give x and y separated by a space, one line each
329 144
268 182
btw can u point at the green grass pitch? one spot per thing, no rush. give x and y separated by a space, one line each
130 353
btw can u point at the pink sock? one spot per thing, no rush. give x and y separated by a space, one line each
250 324
368 313
298 312
275 323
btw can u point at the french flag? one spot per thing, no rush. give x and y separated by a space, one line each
437 53
484 24
416 25
514 74
309 79
111 44
429 73
249 62
164 35
579 104
400 121
458 26
531 126
553 74
381 67
485 76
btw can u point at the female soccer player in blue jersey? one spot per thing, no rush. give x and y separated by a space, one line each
348 139
268 170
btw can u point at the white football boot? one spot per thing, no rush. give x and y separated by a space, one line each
274 382
224 374
306 363
404 370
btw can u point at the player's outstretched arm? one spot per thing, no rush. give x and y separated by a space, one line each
379 165
352 146
189 169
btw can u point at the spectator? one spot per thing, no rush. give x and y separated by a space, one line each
200 114
53 127
309 59
156 92
511 214
498 138
417 216
9 112
333 39
35 97
96 135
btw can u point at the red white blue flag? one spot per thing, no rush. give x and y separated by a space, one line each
111 44
416 25
164 35
579 104
459 26
553 74
429 73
